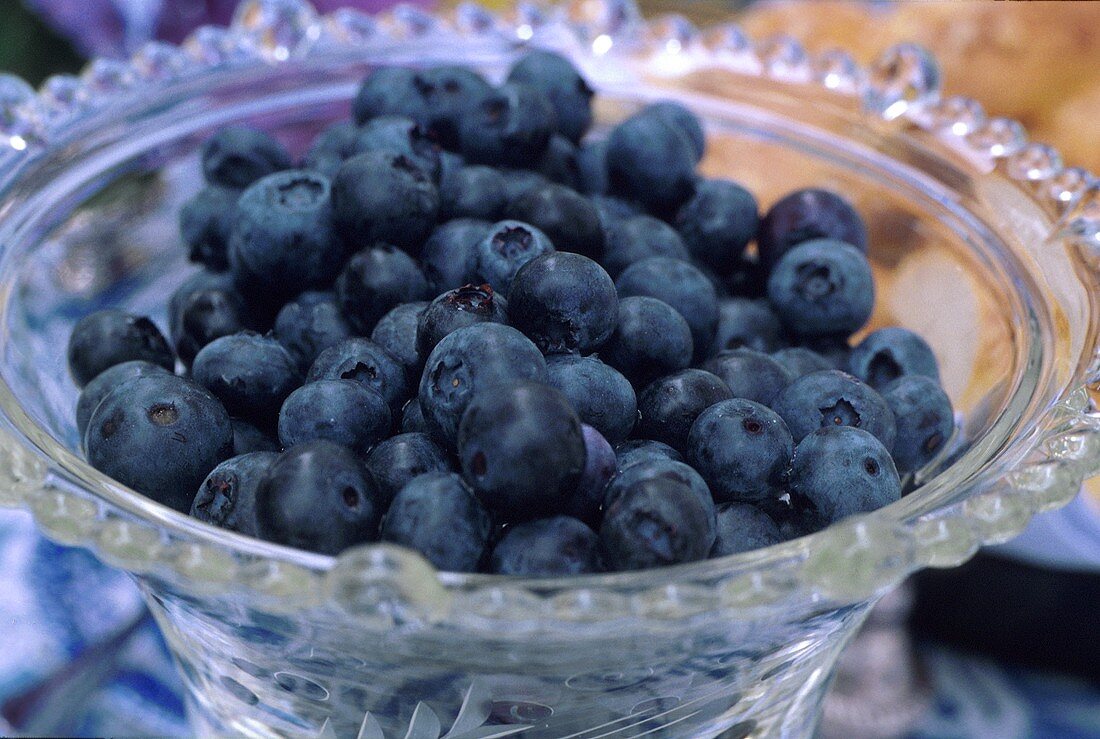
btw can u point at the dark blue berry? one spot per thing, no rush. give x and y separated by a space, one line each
592 163
318 496
799 361
400 458
309 325
402 136
680 285
717 223
834 398
374 282
449 256
650 340
566 217
564 87
743 527
510 126
631 239
437 515
227 497
642 450
559 164
249 373
517 182
842 471
683 119
832 349
396 333
748 279
106 381
386 197
391 91
822 288
651 161
750 374
612 208
206 221
742 449
508 246
472 192
202 280
247 439
342 411
366 363
108 337
331 147
563 302
889 353
924 419
805 215
600 465
656 465
521 449
747 323
669 405
161 435
548 547
207 315
236 156
601 396
454 309
412 419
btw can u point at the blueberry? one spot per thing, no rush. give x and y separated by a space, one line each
806 215
463 306
437 515
207 315
160 435
822 287
236 156
251 374
387 197
642 450
400 136
717 223
449 256
396 333
612 209
284 240
833 349
518 181
412 419
843 471
799 361
108 337
680 285
106 381
468 361
342 411
592 163
508 246
924 419
318 496
743 527
631 239
451 92
889 353
374 282
206 221
510 126
650 340
747 323
566 217
834 398
202 280
563 302
309 325
400 458
247 439
748 278
331 147
521 449
651 161
366 363
687 122
472 192
547 547
750 374
656 465
390 91
564 87
794 515
227 497
669 405
600 465
601 396
559 164
742 449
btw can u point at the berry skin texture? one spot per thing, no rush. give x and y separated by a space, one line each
822 288
510 127
669 405
399 136
749 374
683 287
374 282
106 381
889 353
651 340
636 237
548 547
600 465
342 411
331 147
396 333
161 435
925 420
742 449
842 471
717 223
454 309
565 88
472 192
206 221
559 164
567 218
449 256
601 396
747 323
247 439
743 527
309 325
834 398
799 361
592 167
227 497
468 361
366 363
400 458
198 281
522 450
318 496
387 197
641 450
108 337
805 215
687 122
437 515
249 373
563 302
505 248
207 315
651 161
412 419
236 156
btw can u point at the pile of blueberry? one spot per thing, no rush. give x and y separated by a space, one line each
459 324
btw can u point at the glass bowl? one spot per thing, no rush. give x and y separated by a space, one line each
981 241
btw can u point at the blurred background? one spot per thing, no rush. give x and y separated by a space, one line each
1005 647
